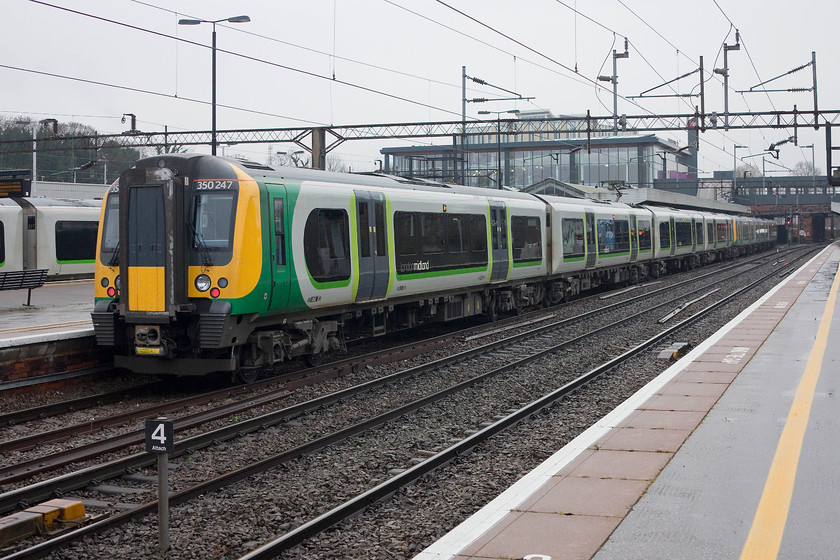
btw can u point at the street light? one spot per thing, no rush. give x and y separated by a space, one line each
813 166
235 19
499 135
34 124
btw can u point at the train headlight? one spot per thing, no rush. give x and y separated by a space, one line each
202 282
104 282
223 282
215 292
117 283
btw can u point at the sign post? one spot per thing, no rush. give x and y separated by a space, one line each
160 435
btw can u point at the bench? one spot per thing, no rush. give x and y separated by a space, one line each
20 279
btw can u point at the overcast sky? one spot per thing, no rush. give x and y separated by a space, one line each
90 61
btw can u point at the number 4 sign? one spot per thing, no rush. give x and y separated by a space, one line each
160 435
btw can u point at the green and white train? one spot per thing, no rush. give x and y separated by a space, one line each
208 264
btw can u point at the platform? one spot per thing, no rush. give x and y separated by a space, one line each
700 463
56 307
50 339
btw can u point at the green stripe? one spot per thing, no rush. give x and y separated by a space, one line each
439 273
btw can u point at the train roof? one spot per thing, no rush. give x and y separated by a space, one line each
260 172
39 202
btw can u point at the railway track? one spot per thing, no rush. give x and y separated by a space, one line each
332 438
38 465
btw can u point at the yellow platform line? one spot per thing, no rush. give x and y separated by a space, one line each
768 526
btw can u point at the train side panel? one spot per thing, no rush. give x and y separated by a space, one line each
11 236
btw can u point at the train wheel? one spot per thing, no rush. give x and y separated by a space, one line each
247 376
314 360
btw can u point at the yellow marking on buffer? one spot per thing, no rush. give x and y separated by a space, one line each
39 519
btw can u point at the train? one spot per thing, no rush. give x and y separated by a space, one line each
54 234
207 264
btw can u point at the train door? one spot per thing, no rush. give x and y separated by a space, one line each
591 242
499 241
672 234
373 246
634 239
28 235
145 270
281 277
693 235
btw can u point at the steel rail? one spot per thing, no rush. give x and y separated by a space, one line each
73 481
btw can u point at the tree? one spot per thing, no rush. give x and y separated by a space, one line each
805 168
64 160
747 170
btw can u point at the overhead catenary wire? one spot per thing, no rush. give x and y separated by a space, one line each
247 57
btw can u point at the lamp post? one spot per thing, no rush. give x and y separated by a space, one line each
235 19
813 168
499 136
35 124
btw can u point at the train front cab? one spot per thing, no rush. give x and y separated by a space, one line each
179 259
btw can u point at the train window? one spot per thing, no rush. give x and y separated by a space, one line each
573 242
606 236
722 231
431 239
621 230
364 229
526 237
683 234
279 233
478 233
2 244
326 245
214 220
698 231
644 235
499 224
710 232
664 235
448 241
405 233
381 234
75 241
109 251
455 235
613 235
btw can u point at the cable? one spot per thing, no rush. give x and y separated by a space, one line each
155 93
247 57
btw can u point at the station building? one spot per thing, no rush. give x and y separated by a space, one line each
607 164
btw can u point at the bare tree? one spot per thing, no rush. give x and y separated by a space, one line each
748 170
805 168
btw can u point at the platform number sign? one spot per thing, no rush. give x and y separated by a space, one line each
160 435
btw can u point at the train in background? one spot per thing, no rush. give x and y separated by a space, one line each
54 234
208 264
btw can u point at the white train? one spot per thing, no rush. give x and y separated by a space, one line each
51 234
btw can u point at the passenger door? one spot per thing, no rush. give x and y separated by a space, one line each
374 273
591 242
499 241
673 235
279 246
634 239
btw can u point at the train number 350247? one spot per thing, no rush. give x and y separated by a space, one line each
213 185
